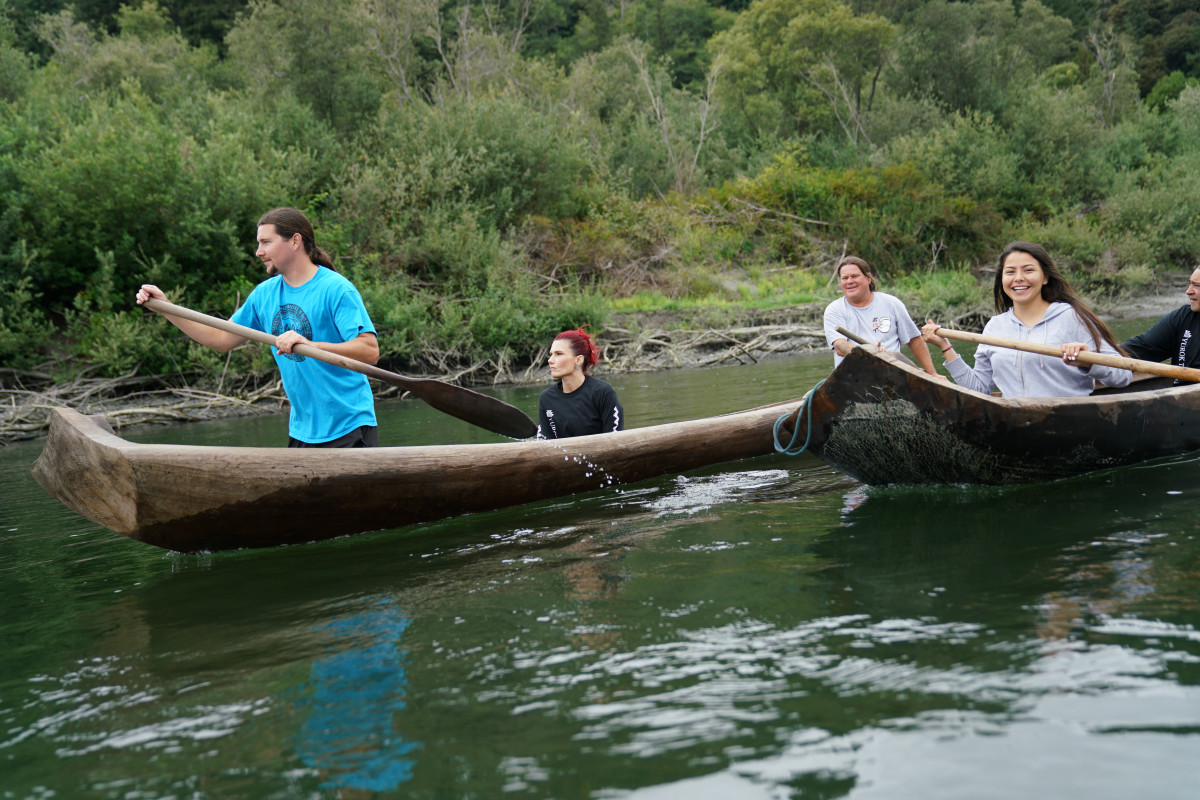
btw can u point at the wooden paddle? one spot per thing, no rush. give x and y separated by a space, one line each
1087 357
854 337
478 409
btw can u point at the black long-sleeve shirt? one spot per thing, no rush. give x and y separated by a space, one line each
592 408
1176 337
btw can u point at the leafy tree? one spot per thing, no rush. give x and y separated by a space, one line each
1181 43
678 31
1081 13
1111 79
954 52
972 56
645 136
1168 89
204 20
438 188
148 51
124 180
23 16
118 147
797 66
1046 37
588 28
401 37
1167 33
98 14
312 49
14 62
970 155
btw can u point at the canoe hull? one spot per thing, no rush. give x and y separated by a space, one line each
195 498
884 422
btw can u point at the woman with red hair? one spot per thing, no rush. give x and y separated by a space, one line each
577 404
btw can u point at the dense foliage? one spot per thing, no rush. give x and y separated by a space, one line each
492 172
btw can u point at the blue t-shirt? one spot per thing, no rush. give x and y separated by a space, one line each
327 401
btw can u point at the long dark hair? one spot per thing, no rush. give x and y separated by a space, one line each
582 344
290 221
1056 290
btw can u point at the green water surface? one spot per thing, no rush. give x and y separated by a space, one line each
764 629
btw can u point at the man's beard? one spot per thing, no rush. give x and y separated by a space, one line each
271 271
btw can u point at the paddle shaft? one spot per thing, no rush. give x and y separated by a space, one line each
852 336
1087 356
478 409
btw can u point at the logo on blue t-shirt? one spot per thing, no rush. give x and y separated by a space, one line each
291 317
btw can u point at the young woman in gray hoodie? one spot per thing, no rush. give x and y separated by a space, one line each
1036 304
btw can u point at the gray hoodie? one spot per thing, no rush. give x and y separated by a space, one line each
1019 374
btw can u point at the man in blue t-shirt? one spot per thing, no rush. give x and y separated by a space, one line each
303 301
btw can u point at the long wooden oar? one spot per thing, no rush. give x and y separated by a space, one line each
478 409
1087 356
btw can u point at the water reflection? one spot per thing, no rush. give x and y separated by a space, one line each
353 700
1033 602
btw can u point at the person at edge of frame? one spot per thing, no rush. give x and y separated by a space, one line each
1176 336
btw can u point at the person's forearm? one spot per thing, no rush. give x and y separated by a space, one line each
920 352
842 347
365 348
224 341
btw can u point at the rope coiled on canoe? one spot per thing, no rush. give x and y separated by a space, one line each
789 448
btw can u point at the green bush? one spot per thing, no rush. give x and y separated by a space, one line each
970 156
127 181
522 324
1153 215
1168 88
943 295
1061 147
25 332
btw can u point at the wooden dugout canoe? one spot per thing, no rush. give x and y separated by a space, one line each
882 421
200 498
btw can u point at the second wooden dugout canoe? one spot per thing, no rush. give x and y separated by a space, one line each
883 421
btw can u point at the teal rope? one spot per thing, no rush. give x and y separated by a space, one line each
804 403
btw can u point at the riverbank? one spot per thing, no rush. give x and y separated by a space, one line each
633 343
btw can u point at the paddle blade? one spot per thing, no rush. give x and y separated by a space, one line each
471 406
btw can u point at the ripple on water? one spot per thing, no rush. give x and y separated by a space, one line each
77 712
696 494
718 681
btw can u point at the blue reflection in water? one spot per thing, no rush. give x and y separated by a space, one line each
353 700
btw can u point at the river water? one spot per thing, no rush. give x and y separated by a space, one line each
764 629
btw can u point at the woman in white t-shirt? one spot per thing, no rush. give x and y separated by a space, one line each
873 315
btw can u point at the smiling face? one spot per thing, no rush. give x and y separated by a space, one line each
1193 290
855 285
1022 278
562 359
275 251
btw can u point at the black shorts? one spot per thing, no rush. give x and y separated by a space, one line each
363 436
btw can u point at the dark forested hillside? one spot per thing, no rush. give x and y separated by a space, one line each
491 172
